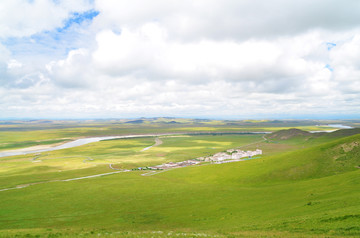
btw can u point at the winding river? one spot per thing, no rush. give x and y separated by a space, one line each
70 144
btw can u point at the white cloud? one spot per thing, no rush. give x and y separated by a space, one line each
345 61
231 19
19 18
187 58
258 64
74 71
13 64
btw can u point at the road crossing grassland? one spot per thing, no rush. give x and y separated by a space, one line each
158 142
63 180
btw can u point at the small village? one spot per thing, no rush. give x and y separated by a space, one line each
231 155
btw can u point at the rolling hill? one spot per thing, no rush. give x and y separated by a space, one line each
288 134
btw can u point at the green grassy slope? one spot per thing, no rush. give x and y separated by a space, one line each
332 158
310 192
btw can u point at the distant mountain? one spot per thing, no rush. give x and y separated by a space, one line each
135 122
173 122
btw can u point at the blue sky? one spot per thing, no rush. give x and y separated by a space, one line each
78 18
56 42
330 45
209 59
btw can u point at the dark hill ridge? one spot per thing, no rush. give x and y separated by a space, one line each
135 122
288 134
344 132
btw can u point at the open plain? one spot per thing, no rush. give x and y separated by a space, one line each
302 185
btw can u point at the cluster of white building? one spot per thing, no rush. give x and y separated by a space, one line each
231 154
175 164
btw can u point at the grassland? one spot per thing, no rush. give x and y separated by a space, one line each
22 134
301 187
122 154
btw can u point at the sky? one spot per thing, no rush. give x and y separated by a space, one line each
230 59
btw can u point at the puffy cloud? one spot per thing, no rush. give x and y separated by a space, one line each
186 58
74 71
147 52
231 19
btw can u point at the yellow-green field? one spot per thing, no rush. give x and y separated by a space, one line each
121 153
26 134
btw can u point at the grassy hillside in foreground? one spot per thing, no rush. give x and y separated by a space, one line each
306 193
332 158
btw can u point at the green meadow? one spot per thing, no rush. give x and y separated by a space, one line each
304 185
22 134
121 153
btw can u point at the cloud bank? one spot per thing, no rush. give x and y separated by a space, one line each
216 59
